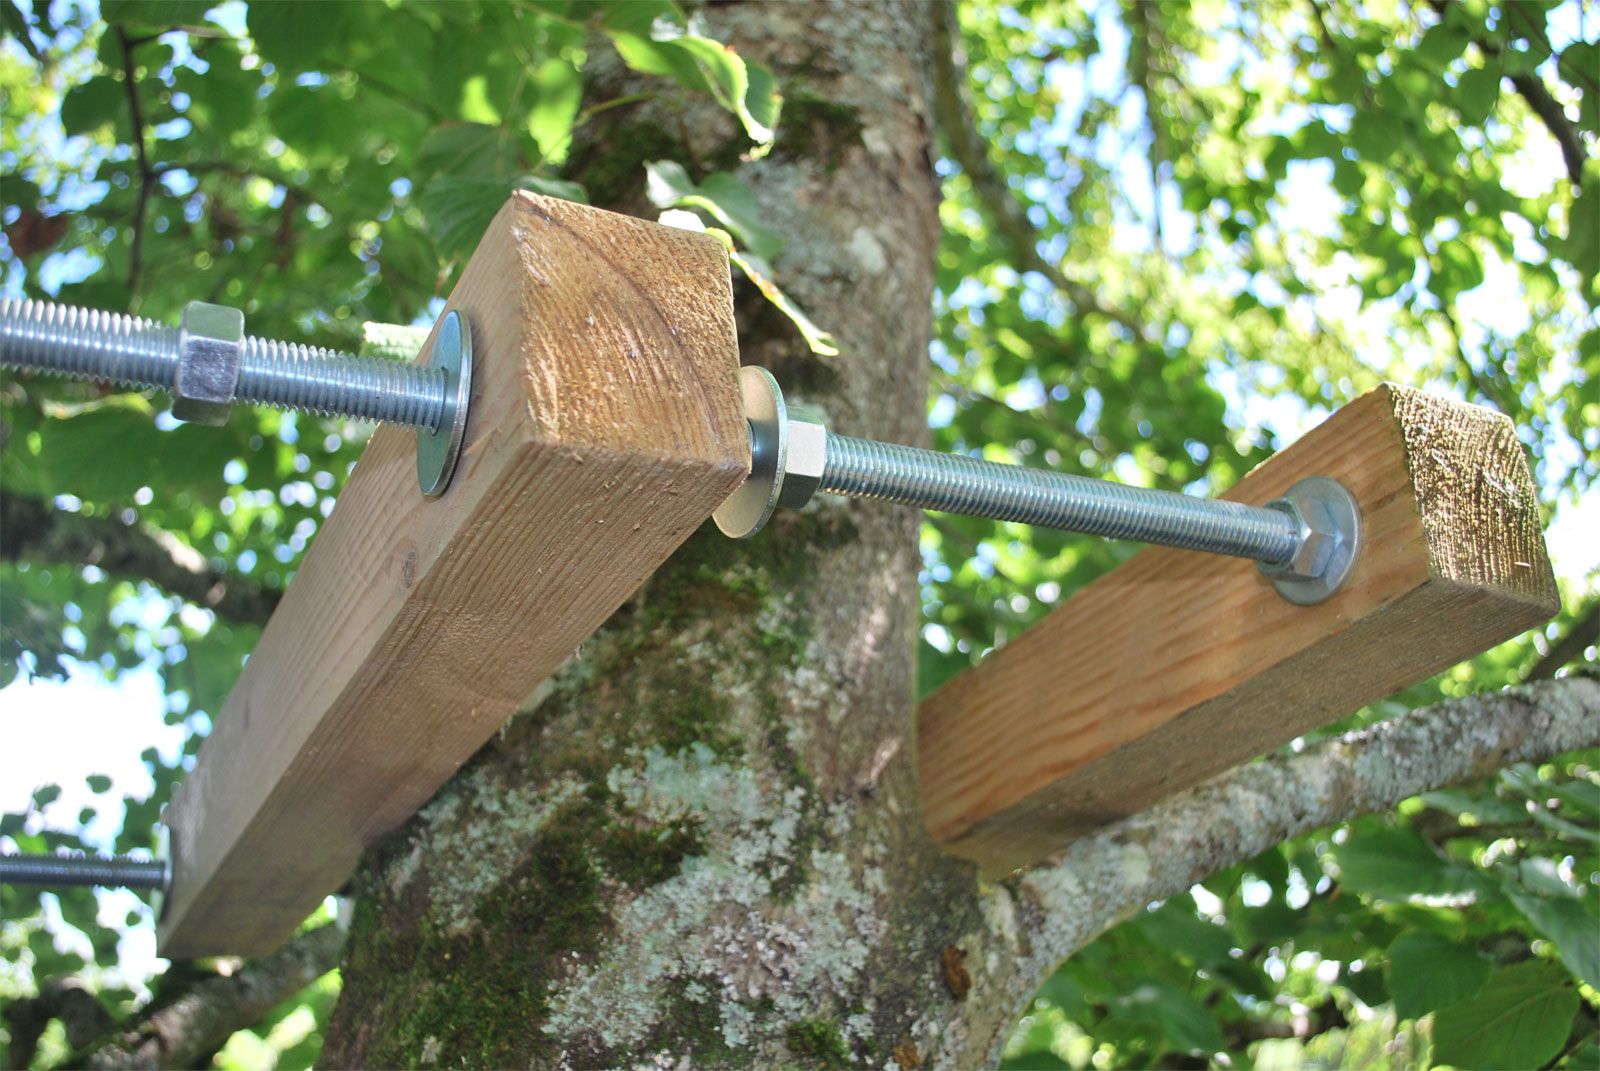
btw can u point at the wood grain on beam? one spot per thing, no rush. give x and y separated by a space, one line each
1179 665
605 427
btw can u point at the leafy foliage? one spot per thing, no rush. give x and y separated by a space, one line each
1249 213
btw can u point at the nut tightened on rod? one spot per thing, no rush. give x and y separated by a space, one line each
1307 542
208 363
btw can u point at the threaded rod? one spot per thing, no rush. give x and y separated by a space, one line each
953 483
130 351
111 872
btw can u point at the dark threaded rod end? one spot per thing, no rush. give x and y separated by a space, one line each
118 871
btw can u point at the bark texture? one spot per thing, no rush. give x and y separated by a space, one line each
186 1031
1028 925
699 842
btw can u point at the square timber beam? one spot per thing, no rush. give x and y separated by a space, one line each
605 426
1177 665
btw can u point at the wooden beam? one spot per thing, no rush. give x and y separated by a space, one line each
1178 665
605 426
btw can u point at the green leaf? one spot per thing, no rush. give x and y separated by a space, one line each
1184 1021
1568 925
1376 135
934 666
679 51
1175 927
88 107
819 341
1397 863
1520 1019
98 783
1476 93
45 795
723 197
756 270
557 91
1582 245
1442 44
157 14
472 150
459 209
1428 972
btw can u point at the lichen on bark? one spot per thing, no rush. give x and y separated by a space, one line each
699 842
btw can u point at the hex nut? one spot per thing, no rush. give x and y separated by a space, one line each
1316 539
803 461
210 353
1331 540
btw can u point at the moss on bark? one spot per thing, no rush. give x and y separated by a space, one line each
699 841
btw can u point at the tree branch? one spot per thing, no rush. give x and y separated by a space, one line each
1005 215
79 1010
32 530
1106 877
1570 647
1550 112
179 1033
1538 98
147 176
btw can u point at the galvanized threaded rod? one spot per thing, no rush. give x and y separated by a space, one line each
115 871
1306 542
953 483
129 351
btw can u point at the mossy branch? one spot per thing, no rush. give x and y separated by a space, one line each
1105 878
180 1033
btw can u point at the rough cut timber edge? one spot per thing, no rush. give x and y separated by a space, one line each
1179 665
605 426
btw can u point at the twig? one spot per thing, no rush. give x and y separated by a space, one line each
1139 53
31 530
1555 120
177 1034
147 175
994 197
1582 636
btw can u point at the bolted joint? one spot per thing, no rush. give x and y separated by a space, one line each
804 461
1330 540
788 451
210 355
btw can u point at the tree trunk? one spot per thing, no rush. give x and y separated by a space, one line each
699 843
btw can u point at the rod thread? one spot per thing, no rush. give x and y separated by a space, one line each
68 340
130 351
327 382
953 483
114 871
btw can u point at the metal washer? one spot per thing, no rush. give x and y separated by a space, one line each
1334 509
439 450
746 510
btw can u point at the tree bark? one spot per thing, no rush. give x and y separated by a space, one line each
700 841
188 1029
700 844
